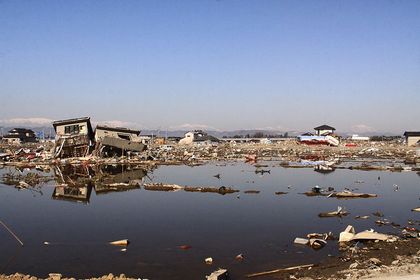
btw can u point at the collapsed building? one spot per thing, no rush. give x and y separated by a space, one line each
412 138
324 135
73 138
76 138
116 141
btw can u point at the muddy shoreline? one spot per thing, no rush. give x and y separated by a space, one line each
376 260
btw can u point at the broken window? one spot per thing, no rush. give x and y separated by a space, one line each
125 137
71 129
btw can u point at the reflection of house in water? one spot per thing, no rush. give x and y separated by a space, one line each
73 183
74 137
72 193
117 178
115 141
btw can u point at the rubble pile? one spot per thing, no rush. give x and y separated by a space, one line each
364 156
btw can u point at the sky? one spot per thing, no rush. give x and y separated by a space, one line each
225 64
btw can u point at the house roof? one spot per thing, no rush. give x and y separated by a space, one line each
21 130
324 127
118 129
411 133
71 121
206 138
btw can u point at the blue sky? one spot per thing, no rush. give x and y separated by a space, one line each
288 65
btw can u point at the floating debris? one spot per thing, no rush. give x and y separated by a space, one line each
162 187
280 193
220 274
208 260
349 234
314 240
378 214
185 247
362 217
339 213
252 192
348 194
122 242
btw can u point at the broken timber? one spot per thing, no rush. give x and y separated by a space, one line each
279 270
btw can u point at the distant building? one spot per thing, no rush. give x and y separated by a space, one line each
356 137
20 136
412 138
198 136
74 137
324 130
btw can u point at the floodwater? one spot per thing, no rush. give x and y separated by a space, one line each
79 222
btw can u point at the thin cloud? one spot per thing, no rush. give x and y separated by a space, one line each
362 128
118 123
188 126
26 122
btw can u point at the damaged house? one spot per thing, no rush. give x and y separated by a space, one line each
324 129
116 141
20 136
324 135
412 138
198 137
74 138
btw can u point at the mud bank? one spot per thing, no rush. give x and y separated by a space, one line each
377 261
58 276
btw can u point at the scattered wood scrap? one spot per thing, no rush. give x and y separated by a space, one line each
279 270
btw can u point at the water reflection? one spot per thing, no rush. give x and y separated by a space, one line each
75 183
261 226
72 193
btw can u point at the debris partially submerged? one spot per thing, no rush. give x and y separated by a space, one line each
162 187
122 242
220 274
339 213
252 192
318 191
314 240
349 234
349 194
174 187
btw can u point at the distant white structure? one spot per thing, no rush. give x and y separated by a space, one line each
265 141
356 137
188 138
198 136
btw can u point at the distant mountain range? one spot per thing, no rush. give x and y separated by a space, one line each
48 131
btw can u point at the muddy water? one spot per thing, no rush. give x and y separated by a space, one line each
261 226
